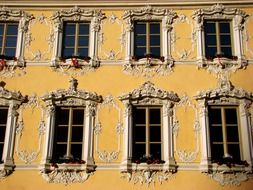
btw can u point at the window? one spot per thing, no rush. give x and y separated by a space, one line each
147 135
224 132
75 39
8 38
218 38
68 138
3 121
147 38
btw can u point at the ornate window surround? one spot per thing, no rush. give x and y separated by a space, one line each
77 14
218 11
12 100
226 94
70 97
23 18
149 95
149 13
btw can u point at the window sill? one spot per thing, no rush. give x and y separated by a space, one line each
75 62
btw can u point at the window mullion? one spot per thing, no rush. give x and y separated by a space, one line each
69 132
217 26
224 131
147 133
76 38
147 38
4 39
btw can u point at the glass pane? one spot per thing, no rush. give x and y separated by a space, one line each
62 116
232 134
224 27
68 52
140 51
83 52
155 40
2 133
214 116
76 151
140 28
140 41
234 151
84 29
216 134
154 116
70 28
12 29
211 51
155 134
59 151
210 40
217 151
77 134
139 116
61 134
139 133
139 150
209 27
155 51
78 116
1 151
155 151
10 51
154 28
231 116
1 29
227 51
11 41
3 116
83 41
69 41
225 40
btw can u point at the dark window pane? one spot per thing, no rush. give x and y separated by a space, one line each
155 134
224 27
140 28
234 151
1 29
1 151
59 151
68 52
210 27
76 151
231 116
10 51
140 41
62 116
227 51
154 116
154 28
77 134
214 116
3 116
78 116
83 52
211 51
232 134
2 133
140 51
155 51
216 134
155 151
210 40
139 150
83 41
84 29
61 134
70 28
139 116
11 41
139 133
69 41
217 151
155 40
225 39
12 29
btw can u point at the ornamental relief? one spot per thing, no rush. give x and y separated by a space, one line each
108 105
32 105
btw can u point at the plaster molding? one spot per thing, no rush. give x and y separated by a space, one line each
248 37
104 155
186 156
147 177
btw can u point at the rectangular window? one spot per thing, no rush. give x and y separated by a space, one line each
68 137
75 39
218 38
8 38
224 132
147 133
3 121
147 38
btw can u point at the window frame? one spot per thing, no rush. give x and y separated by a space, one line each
23 19
220 12
148 95
76 14
146 14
